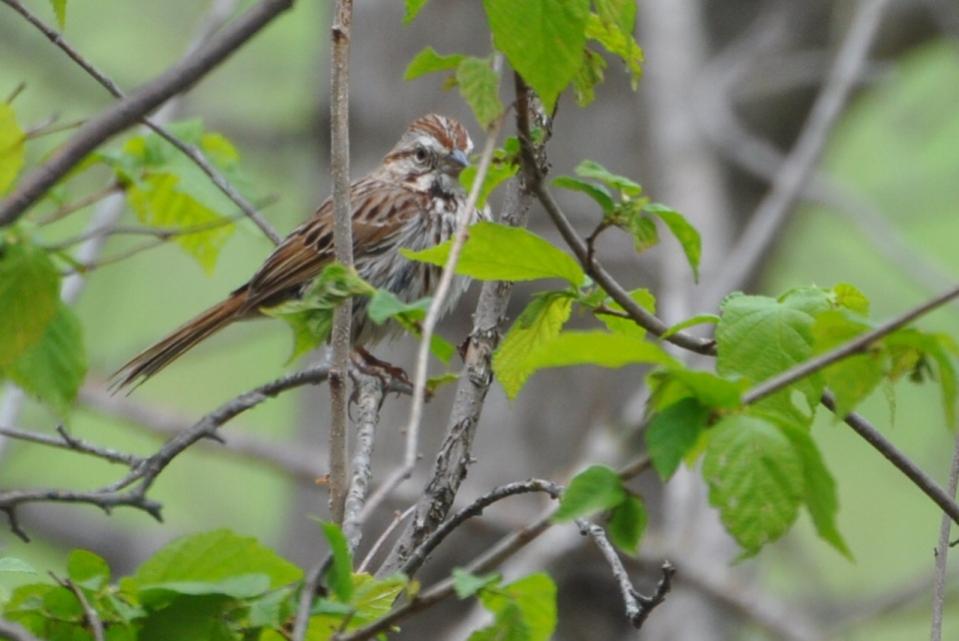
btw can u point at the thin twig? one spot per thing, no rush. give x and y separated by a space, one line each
68 442
343 246
369 397
942 553
137 105
89 612
307 593
159 233
638 607
767 221
398 518
65 210
15 631
190 151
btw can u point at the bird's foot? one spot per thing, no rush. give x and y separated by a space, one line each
388 373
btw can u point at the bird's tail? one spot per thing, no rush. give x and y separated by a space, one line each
152 360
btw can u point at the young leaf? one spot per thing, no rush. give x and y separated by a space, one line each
29 298
595 488
502 168
755 478
54 368
384 305
627 524
508 625
589 74
467 584
819 489
621 13
535 597
373 598
479 86
849 296
542 39
596 348
599 194
643 229
340 574
87 569
673 432
685 233
594 170
541 321
12 151
619 42
501 252
711 390
429 61
413 8
852 379
627 326
60 9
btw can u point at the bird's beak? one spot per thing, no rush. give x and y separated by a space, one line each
455 162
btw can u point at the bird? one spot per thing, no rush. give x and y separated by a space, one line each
412 199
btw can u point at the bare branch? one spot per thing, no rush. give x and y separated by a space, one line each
942 552
68 442
638 606
137 105
369 395
799 165
398 518
65 210
343 246
15 632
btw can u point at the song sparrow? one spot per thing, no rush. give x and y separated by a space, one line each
411 200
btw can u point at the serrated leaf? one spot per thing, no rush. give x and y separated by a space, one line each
501 252
541 321
673 432
619 42
429 61
212 557
685 233
479 86
698 319
340 575
12 149
596 488
853 378
467 584
87 569
413 8
594 170
589 74
758 337
850 297
54 368
820 490
542 39
60 9
29 298
600 195
627 524
755 478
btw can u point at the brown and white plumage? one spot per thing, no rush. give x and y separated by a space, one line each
411 200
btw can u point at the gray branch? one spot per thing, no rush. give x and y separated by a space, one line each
369 398
942 553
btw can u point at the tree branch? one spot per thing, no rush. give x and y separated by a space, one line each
369 398
15 632
343 246
942 553
68 442
137 105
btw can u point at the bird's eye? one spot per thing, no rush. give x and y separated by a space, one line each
421 154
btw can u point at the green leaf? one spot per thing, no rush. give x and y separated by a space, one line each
13 564
433 383
502 168
596 348
644 232
479 86
340 574
87 569
853 378
758 337
60 9
594 170
685 233
12 149
196 618
849 296
29 297
384 305
596 488
599 194
211 557
508 625
698 319
934 347
627 326
54 368
618 41
755 478
627 524
541 321
467 584
542 39
429 61
373 598
535 596
673 432
501 252
243 586
621 13
820 490
271 609
589 74
711 390
413 8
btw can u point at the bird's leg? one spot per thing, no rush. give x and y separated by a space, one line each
386 372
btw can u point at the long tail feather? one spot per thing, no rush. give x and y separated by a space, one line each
152 360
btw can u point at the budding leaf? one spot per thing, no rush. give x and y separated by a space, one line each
685 233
